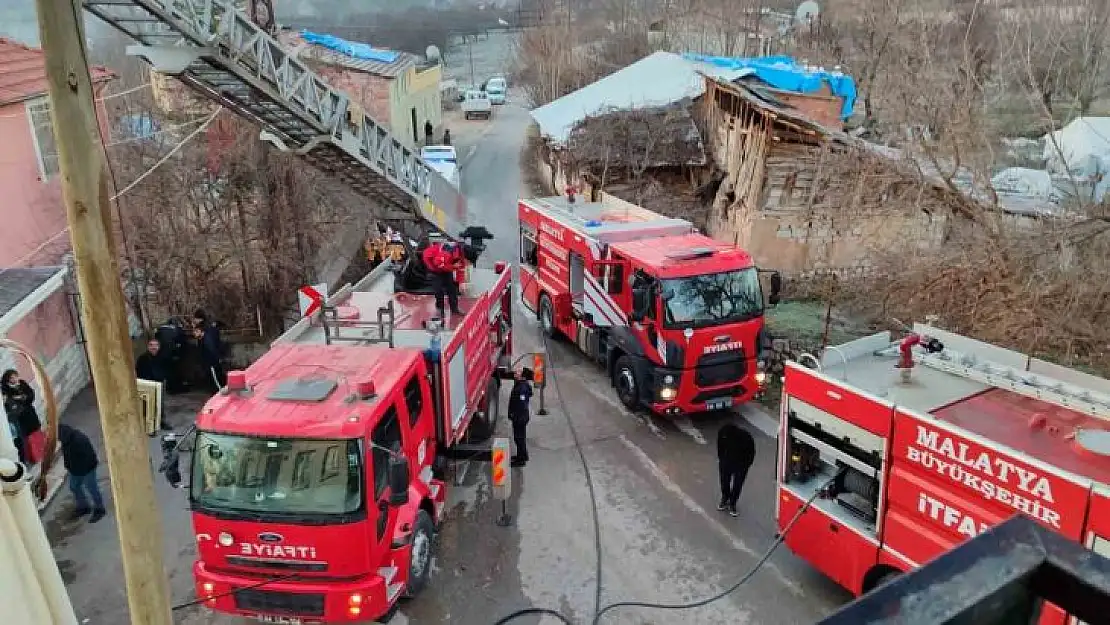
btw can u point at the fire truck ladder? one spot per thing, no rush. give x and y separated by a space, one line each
1019 381
217 51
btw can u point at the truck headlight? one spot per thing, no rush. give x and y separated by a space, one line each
761 377
668 379
668 393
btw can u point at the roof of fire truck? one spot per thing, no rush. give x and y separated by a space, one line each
673 246
288 383
308 391
1000 395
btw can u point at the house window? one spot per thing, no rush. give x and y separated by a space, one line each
42 129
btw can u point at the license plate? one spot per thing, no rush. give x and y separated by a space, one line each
719 404
281 620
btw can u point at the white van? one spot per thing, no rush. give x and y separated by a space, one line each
496 88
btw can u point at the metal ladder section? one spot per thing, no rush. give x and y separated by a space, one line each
1022 382
217 51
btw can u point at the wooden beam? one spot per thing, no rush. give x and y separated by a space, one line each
85 189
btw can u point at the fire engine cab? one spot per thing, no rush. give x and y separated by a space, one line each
912 447
316 484
674 316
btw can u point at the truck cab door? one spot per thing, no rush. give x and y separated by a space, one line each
606 277
386 437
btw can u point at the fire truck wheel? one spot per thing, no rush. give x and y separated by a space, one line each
482 428
420 558
624 380
547 316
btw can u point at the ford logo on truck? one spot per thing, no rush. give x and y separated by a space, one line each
270 537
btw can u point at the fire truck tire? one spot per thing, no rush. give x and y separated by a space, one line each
883 576
482 428
420 557
547 316
624 381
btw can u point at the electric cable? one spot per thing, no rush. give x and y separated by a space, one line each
589 486
189 604
599 612
779 539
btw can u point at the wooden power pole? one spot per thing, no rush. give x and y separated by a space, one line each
85 189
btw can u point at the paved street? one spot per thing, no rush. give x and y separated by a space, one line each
655 481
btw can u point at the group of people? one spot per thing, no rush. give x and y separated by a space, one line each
78 454
162 360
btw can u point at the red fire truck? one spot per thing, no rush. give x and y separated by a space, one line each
674 316
317 473
912 447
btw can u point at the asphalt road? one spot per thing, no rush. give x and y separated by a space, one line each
655 486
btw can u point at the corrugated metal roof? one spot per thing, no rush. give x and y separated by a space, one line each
656 80
16 283
320 54
23 72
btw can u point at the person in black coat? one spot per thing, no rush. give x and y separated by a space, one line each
19 404
735 454
79 457
154 366
207 334
519 414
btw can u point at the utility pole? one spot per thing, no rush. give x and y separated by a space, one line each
470 51
85 189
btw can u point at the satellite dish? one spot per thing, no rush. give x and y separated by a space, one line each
432 54
807 12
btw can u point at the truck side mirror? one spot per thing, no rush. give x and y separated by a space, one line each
398 480
776 289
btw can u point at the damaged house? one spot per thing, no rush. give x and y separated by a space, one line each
802 197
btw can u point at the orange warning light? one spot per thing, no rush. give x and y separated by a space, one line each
499 472
538 361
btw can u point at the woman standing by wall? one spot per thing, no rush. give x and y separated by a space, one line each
19 403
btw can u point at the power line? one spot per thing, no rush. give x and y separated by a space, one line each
169 155
156 133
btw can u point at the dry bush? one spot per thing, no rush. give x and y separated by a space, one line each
229 225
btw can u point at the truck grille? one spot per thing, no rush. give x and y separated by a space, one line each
717 369
264 601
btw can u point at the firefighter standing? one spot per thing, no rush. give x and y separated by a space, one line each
519 415
735 454
442 259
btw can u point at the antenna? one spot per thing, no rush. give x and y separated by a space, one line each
807 12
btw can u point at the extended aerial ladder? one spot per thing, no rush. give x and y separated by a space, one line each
220 53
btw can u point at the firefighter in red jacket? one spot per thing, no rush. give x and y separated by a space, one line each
442 259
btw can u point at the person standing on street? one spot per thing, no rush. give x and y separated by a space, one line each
79 458
207 334
735 454
153 365
428 130
519 415
19 403
442 259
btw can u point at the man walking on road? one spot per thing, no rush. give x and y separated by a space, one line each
735 454
79 458
519 415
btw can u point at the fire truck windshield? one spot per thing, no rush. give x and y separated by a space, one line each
249 477
712 299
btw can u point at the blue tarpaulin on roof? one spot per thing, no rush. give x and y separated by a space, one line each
783 72
350 48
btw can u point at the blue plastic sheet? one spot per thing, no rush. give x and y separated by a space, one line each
350 48
783 72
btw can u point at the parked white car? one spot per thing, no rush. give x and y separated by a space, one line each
444 160
476 104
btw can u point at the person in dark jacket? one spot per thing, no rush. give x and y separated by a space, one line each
79 457
519 415
735 454
171 337
19 404
428 130
207 334
154 366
